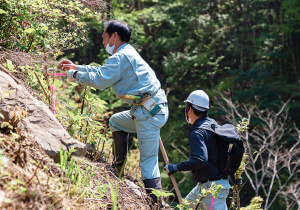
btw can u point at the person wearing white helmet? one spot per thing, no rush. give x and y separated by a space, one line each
203 155
199 100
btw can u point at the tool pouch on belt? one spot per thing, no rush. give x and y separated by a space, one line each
148 103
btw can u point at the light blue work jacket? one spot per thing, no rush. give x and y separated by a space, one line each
129 74
126 72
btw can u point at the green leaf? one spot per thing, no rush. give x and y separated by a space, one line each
2 11
83 193
22 190
3 158
65 159
9 65
77 170
73 84
71 114
71 151
159 193
79 180
57 83
7 200
88 98
29 31
20 182
61 159
72 163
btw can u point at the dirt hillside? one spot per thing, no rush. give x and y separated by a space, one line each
30 179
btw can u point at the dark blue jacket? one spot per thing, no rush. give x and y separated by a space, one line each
203 152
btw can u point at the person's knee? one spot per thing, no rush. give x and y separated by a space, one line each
113 123
148 149
113 118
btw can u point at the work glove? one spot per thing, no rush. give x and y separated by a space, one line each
71 75
237 182
170 169
66 65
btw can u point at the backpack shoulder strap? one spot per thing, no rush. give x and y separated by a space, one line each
209 124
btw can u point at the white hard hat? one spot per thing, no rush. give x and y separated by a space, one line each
199 99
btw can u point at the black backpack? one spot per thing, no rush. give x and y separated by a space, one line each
230 146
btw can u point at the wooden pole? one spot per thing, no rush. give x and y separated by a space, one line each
166 159
48 97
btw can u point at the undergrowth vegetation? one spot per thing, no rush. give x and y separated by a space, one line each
30 179
33 34
210 46
74 182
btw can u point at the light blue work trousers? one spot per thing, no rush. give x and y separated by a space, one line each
139 120
219 203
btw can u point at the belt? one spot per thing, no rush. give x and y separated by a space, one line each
214 179
145 97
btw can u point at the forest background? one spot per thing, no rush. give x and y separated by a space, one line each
243 53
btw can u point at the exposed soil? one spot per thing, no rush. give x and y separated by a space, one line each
31 180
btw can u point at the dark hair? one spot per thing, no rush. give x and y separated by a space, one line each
120 27
196 111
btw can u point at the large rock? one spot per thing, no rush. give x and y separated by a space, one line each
40 122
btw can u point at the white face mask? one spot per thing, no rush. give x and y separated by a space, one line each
110 49
187 118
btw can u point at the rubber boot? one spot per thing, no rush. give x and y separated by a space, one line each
154 184
120 149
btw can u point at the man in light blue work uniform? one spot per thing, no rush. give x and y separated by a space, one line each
128 73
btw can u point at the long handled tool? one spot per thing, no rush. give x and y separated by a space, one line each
166 159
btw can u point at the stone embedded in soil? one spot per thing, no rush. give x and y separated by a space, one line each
40 123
